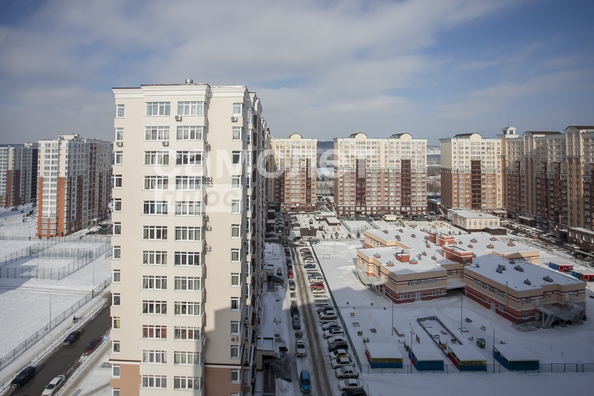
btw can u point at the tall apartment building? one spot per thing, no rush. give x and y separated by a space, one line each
471 172
296 168
377 176
188 239
73 185
18 174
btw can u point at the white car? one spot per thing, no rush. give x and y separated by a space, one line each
54 385
330 325
300 348
319 291
350 383
333 332
341 362
328 315
346 372
336 338
339 353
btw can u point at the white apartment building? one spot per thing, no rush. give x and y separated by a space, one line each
471 168
18 174
188 239
73 185
295 161
378 176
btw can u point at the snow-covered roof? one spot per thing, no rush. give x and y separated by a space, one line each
467 353
515 352
382 350
427 352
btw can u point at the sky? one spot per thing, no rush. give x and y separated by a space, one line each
322 68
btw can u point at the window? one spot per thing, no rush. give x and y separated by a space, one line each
190 133
188 182
500 307
236 133
188 158
526 315
115 346
116 322
154 331
527 300
154 307
187 283
149 356
115 392
237 109
235 230
156 182
150 257
235 255
116 276
117 252
157 108
235 206
190 108
154 381
119 134
187 308
117 181
154 232
235 303
234 279
235 377
188 233
182 357
236 157
187 258
156 133
154 282
115 299
155 207
234 351
156 158
118 158
234 327
186 333
235 181
115 370
117 204
188 208
117 228
186 382
120 111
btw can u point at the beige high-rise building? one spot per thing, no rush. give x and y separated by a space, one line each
471 172
188 239
377 176
18 174
296 167
73 184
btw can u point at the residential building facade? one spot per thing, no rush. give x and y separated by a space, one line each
18 174
378 176
73 184
188 239
296 171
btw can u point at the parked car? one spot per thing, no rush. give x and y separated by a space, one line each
91 346
318 291
315 278
325 309
294 309
296 322
316 286
300 348
21 378
336 338
354 392
54 385
340 344
309 266
73 336
305 381
349 383
339 353
330 325
341 362
333 332
346 372
328 315
292 284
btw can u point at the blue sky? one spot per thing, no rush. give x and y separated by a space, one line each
322 68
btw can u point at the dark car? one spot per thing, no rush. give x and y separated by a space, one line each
21 379
93 345
70 338
340 344
354 392
305 382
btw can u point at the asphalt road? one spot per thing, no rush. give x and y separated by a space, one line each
65 357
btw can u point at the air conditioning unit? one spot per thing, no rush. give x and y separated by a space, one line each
207 147
120 144
207 248
178 118
165 143
233 339
208 228
208 180
233 119
206 218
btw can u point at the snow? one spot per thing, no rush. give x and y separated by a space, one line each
382 350
428 353
467 352
515 352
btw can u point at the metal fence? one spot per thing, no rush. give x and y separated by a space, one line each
490 368
39 334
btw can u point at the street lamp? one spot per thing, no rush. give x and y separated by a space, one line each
493 351
392 298
411 334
